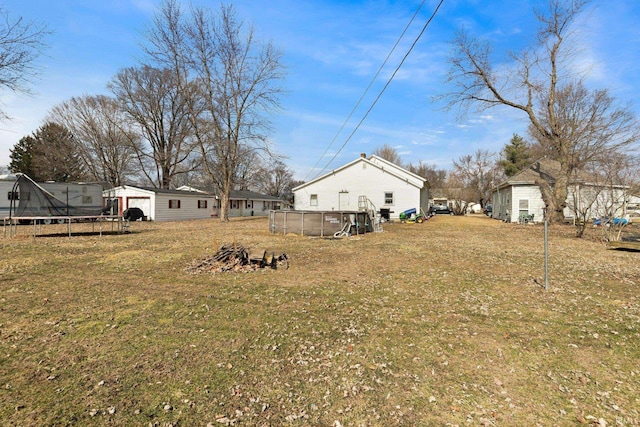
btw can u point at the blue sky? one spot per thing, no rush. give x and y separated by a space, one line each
332 49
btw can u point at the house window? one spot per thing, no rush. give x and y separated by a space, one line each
235 204
248 204
202 204
174 204
265 206
314 200
388 198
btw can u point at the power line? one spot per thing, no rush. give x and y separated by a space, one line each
385 86
367 89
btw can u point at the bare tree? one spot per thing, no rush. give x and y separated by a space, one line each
388 153
275 179
236 82
477 173
21 42
436 178
458 192
158 103
565 117
106 142
618 174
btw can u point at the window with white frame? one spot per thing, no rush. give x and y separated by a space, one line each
523 206
388 198
202 204
314 200
174 204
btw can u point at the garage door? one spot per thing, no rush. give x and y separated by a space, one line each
143 203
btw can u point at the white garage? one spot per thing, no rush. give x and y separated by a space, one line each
160 204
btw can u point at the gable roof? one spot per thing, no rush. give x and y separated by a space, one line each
251 195
237 194
163 191
377 162
543 168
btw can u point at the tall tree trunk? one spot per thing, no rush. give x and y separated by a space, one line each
554 198
560 195
224 206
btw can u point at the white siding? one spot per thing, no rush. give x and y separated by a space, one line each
507 201
598 202
340 190
532 194
159 203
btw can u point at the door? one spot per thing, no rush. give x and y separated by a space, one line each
143 203
343 201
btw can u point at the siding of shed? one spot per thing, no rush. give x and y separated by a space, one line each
534 196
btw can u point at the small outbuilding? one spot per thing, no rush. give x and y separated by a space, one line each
519 198
160 204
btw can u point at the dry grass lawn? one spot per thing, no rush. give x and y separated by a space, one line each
441 323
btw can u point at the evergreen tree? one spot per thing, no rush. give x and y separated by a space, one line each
21 156
515 156
49 154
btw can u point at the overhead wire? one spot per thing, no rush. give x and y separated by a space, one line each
385 87
373 79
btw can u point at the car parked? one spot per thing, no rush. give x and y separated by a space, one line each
134 214
440 210
488 210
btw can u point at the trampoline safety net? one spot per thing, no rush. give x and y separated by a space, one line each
32 200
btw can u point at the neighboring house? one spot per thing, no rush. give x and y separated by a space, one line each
245 203
364 184
159 204
519 197
440 197
250 203
454 198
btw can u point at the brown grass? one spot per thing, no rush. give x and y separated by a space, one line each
441 323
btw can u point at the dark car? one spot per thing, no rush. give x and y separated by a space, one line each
133 214
440 210
488 210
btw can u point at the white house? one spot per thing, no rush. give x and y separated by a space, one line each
519 197
161 205
382 185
